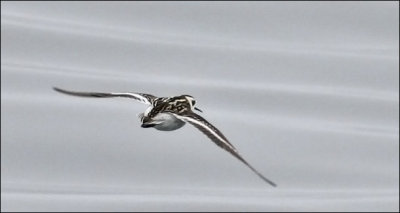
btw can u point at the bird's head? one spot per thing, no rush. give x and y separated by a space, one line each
192 102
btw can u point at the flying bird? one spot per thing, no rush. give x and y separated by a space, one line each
171 113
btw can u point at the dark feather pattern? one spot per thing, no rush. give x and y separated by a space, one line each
224 143
179 106
136 96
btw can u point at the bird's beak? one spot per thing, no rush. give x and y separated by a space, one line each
198 109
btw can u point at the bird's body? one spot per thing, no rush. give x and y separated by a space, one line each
163 122
171 113
160 114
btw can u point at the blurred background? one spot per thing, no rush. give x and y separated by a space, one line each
306 91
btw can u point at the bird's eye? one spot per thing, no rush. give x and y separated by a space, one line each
193 102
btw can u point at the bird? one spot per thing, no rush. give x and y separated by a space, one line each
171 113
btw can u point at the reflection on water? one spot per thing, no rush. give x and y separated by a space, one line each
150 198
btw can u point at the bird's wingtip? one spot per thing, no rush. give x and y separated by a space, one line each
271 183
57 89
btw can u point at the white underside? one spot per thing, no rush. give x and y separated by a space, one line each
167 122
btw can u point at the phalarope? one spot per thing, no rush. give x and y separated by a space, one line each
171 113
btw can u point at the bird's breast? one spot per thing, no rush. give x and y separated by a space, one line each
166 122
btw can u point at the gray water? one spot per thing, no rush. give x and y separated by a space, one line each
306 91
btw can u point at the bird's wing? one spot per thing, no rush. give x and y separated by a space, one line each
142 98
217 137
